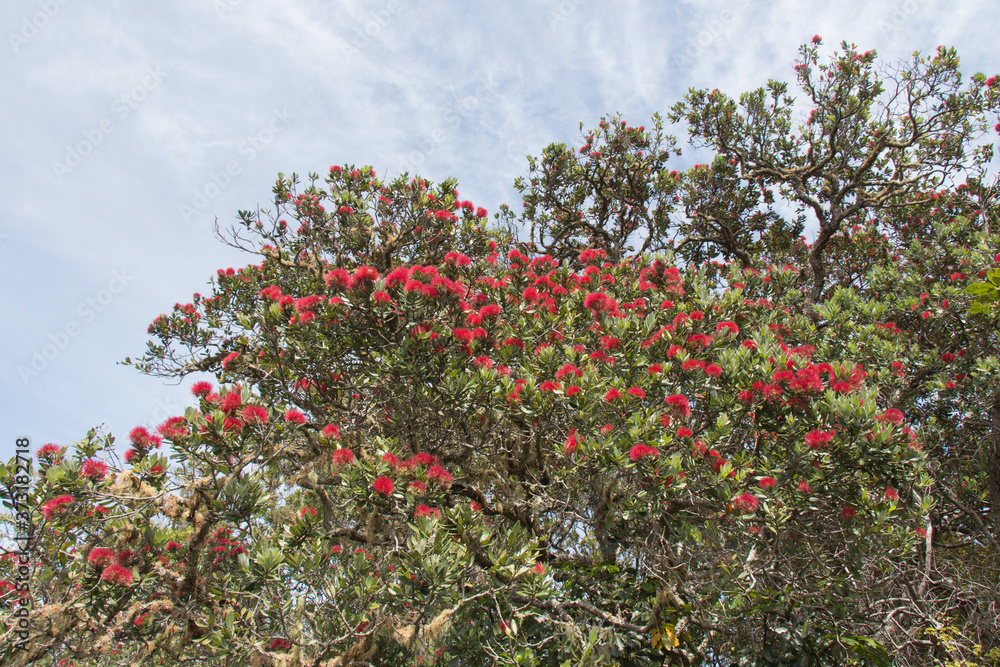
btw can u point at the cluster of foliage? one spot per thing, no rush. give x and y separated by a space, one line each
661 429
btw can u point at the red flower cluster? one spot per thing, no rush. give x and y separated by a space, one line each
745 503
96 470
425 511
679 404
48 451
571 442
343 457
641 450
117 575
384 485
254 414
439 475
56 506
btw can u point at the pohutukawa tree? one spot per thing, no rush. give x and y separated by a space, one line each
664 428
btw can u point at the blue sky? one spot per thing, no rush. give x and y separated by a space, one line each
129 128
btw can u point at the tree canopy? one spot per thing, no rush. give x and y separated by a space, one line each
645 421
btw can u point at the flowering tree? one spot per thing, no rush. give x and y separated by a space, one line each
661 430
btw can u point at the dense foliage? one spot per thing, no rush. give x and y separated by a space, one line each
661 427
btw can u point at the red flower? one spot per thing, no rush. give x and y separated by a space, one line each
397 276
307 510
46 451
95 470
637 392
572 391
343 456
766 482
489 311
390 458
611 395
684 432
142 438
174 428
817 438
891 494
816 39
713 371
745 503
231 402
679 403
331 431
117 575
548 385
56 506
568 369
101 557
295 417
457 258
654 369
848 512
571 442
201 389
384 486
424 510
595 301
641 450
422 459
804 486
730 327
891 415
439 475
254 414
363 274
381 297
